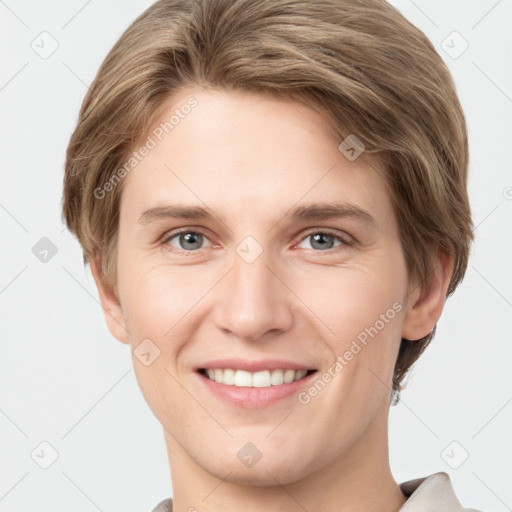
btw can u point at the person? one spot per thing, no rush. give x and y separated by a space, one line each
272 198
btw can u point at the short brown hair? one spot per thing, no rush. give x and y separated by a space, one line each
361 64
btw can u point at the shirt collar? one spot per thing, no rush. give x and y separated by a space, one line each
431 494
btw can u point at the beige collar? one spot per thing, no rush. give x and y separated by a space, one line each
431 494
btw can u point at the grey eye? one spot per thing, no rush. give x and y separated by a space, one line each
188 240
322 241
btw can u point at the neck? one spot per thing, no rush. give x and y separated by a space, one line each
358 480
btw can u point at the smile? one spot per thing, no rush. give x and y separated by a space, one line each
259 379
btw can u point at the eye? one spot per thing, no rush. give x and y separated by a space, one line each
325 240
186 240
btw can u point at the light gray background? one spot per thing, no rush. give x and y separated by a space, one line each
66 381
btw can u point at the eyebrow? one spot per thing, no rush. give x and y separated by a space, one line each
312 211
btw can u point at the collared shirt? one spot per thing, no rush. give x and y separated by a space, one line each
432 493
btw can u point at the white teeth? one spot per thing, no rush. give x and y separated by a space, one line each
243 378
229 377
261 379
277 377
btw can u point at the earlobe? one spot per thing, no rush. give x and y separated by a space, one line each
112 310
426 303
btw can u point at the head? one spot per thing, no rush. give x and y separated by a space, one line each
254 111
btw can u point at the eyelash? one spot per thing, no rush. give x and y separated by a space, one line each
345 242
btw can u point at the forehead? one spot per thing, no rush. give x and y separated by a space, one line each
245 153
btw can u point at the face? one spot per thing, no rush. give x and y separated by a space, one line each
262 271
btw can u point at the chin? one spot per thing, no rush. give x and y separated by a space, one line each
270 470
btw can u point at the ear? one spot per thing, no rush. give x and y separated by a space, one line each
114 317
426 303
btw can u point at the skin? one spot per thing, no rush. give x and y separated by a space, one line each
249 158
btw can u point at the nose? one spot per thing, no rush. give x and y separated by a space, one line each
253 300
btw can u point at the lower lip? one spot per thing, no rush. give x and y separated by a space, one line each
255 397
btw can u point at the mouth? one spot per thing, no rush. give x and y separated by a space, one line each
259 379
253 383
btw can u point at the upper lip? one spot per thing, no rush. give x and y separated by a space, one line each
254 366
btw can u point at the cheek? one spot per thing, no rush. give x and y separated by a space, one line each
156 299
346 302
362 306
159 303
